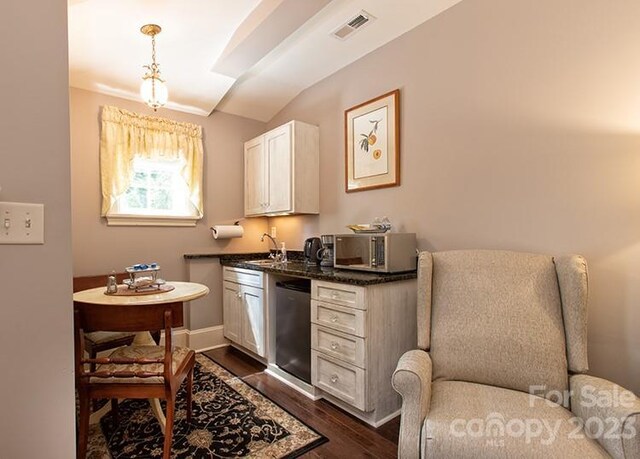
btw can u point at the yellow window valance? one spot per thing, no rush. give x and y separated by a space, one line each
126 135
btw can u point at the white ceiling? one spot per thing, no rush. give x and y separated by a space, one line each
246 57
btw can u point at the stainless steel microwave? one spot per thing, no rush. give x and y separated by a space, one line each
385 253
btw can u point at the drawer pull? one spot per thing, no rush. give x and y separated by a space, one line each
334 295
334 378
334 345
334 319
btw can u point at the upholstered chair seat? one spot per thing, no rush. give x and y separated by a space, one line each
139 353
468 420
500 367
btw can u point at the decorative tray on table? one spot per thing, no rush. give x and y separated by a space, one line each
144 277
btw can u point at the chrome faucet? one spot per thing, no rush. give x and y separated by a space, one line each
278 255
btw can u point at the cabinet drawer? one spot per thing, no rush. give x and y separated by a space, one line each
342 294
243 276
344 381
347 348
339 318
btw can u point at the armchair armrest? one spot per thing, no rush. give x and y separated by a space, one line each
610 413
412 380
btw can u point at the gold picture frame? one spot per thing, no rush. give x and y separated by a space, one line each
372 143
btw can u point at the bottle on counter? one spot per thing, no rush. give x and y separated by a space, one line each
283 253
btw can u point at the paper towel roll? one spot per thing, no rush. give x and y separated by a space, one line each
227 231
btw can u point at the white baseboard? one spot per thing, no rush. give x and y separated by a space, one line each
368 417
293 382
200 340
208 338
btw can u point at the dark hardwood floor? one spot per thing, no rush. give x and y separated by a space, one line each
348 437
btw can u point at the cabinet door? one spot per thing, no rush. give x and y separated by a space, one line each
253 320
279 158
255 177
232 311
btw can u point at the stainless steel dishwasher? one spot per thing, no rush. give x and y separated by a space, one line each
293 327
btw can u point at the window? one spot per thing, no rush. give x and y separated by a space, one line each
156 188
151 170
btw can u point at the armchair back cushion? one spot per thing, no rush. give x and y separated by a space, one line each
496 319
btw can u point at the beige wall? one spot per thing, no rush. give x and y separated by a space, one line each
520 130
36 342
98 248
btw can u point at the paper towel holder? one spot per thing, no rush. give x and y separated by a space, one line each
236 223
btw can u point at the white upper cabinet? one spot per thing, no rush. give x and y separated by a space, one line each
281 175
254 167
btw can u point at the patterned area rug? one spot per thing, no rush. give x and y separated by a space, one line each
229 419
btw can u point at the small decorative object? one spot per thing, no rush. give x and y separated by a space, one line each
143 277
372 143
153 89
112 284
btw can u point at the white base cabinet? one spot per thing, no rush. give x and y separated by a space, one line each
358 334
244 309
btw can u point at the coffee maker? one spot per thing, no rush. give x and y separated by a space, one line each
327 250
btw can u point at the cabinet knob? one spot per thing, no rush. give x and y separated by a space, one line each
334 345
334 378
239 294
334 295
334 319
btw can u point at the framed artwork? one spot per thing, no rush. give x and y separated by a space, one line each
372 143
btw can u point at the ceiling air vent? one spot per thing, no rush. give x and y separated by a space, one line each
355 23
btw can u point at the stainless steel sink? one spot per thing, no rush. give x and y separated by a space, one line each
263 262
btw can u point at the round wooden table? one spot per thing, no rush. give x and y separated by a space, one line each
183 291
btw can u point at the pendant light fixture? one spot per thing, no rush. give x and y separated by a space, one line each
153 89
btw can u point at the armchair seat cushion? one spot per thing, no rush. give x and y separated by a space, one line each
140 352
469 420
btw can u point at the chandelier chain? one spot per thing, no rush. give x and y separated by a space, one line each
153 49
153 88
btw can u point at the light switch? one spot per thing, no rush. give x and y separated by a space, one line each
21 223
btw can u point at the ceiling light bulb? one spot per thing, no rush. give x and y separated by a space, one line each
154 92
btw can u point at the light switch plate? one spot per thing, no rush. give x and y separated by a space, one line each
21 223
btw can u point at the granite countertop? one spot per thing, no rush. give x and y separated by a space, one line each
297 268
229 256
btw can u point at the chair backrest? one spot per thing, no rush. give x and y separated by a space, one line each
508 319
90 317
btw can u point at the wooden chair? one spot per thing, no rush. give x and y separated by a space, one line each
100 341
131 371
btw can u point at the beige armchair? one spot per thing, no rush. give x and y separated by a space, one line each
502 340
